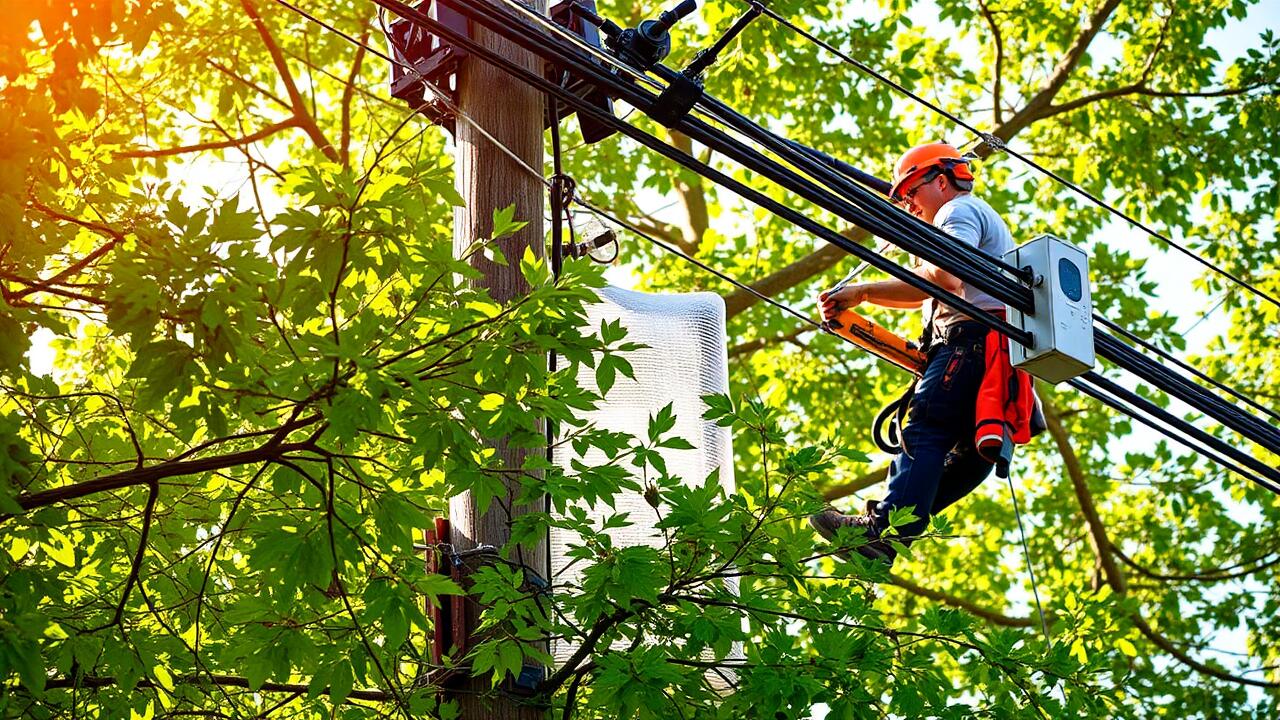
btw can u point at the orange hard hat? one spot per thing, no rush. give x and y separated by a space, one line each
920 159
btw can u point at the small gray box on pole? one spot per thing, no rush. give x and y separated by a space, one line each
1062 325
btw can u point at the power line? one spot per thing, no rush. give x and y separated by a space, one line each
996 143
919 238
1135 406
630 94
1176 385
1143 367
1186 366
522 33
855 204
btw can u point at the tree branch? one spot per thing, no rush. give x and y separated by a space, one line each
821 260
996 91
1163 643
1061 73
663 231
1219 574
248 83
1093 522
348 92
750 346
969 606
835 492
115 236
154 474
1105 553
1141 88
94 682
296 101
135 568
693 197
249 139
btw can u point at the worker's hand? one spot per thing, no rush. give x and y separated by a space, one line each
832 303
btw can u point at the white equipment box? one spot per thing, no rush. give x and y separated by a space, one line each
1062 326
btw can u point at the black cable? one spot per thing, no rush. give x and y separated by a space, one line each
556 197
520 32
674 154
1143 410
868 209
511 27
1186 366
881 186
998 144
896 222
1263 434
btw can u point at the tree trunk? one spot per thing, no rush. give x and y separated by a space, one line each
488 179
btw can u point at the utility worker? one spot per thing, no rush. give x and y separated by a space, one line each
939 462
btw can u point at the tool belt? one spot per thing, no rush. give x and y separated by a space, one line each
1007 411
957 333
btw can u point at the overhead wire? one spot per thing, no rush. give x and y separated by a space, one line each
671 153
871 181
916 240
1184 390
508 24
1132 405
1031 570
996 143
1115 328
928 242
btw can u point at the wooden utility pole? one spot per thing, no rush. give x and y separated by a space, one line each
488 178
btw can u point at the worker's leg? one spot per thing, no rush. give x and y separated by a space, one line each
963 470
941 413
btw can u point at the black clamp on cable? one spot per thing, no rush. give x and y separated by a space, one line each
685 88
677 99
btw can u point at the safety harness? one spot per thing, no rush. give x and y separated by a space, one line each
1007 411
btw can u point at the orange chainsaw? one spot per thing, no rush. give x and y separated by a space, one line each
877 340
870 335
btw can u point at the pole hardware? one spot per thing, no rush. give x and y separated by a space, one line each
647 44
575 16
421 58
706 58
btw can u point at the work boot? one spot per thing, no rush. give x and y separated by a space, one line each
829 521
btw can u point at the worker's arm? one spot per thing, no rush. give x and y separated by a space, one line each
895 293
892 293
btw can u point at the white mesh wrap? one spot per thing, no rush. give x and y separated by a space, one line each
685 358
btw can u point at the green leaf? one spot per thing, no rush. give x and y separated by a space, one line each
534 269
662 422
14 341
341 682
504 223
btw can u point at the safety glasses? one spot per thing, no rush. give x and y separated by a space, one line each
929 177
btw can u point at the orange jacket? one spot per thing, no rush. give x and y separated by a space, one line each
1006 407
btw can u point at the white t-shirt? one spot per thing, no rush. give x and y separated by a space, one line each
973 222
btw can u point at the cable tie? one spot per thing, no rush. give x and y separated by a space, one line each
992 141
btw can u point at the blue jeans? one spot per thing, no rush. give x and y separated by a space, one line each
939 464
